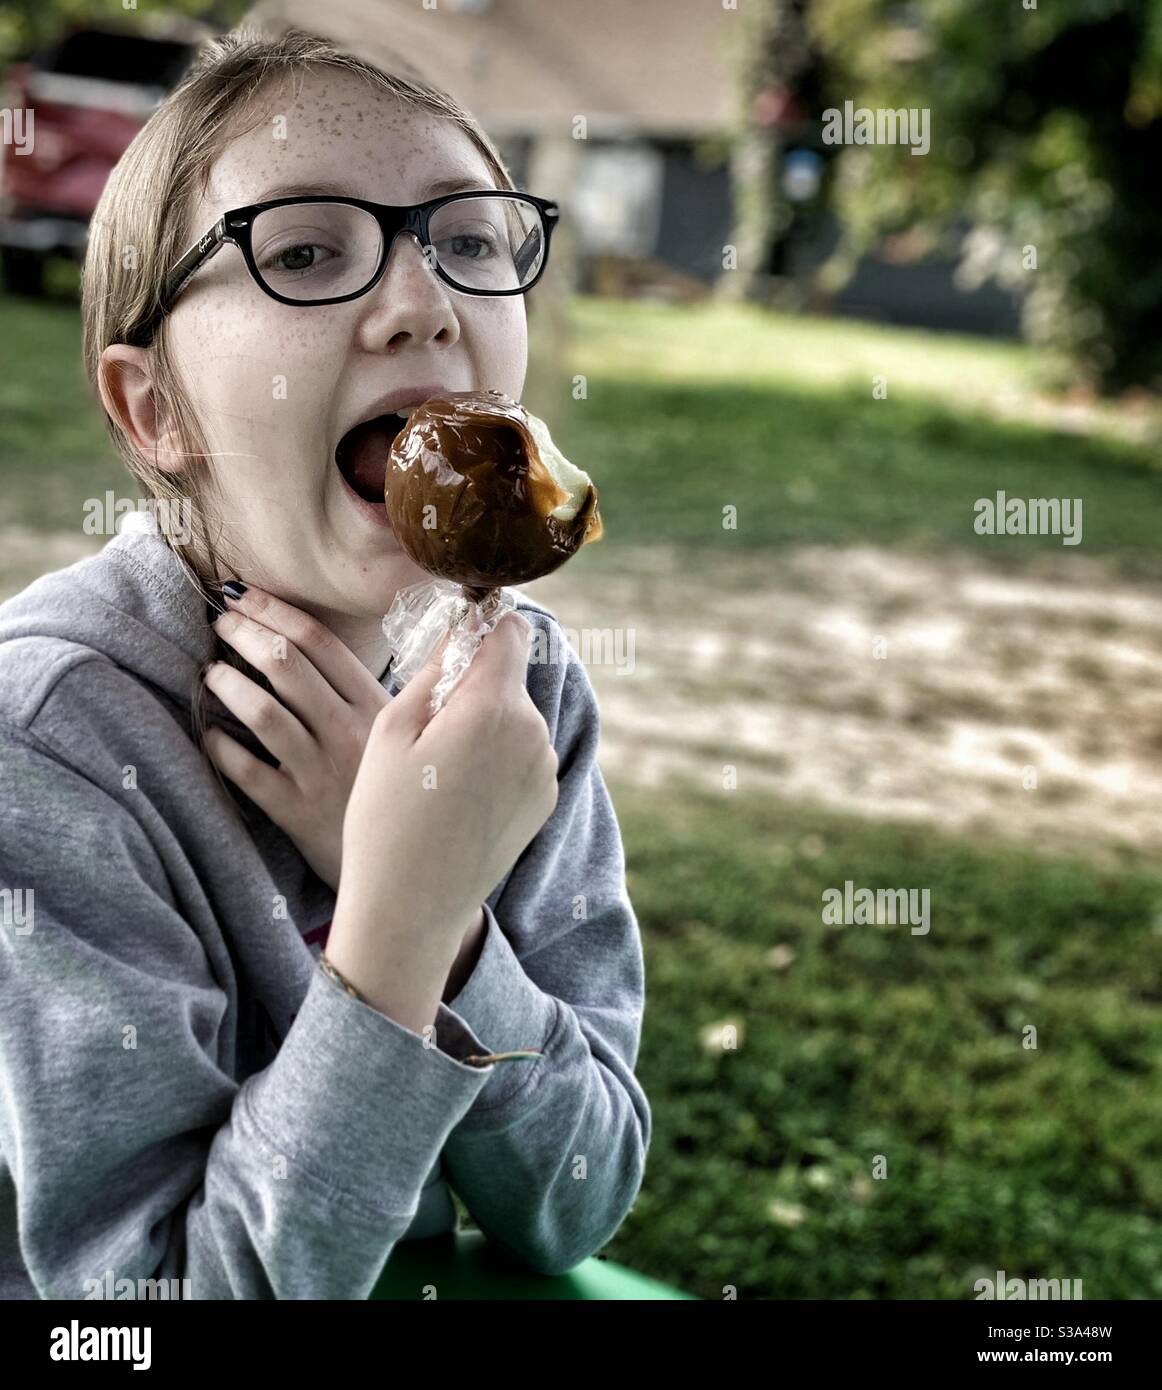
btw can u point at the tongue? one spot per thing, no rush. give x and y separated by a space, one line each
364 456
369 464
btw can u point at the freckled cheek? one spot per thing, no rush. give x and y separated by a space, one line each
500 342
249 373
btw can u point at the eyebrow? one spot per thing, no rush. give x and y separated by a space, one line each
437 189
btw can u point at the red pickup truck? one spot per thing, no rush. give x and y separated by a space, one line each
71 110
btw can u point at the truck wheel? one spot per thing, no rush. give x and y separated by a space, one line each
22 272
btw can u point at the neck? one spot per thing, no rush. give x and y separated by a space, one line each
363 635
363 632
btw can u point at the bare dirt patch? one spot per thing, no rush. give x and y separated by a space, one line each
987 682
889 686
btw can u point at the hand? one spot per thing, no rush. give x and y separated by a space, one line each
318 735
442 807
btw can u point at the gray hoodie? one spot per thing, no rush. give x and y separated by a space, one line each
184 1094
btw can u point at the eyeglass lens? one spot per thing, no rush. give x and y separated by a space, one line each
310 251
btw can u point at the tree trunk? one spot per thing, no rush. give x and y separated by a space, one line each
552 173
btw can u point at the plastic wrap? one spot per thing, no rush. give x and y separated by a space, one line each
420 616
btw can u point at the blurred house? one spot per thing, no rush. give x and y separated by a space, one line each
626 113
622 111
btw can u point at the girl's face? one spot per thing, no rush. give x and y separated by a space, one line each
276 386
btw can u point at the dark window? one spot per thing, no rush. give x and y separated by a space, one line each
119 58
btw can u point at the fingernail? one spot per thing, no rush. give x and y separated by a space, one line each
233 588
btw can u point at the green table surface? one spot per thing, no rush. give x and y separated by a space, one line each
465 1265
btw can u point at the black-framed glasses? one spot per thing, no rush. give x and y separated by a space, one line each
320 249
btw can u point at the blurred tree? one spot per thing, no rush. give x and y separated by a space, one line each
26 25
771 55
1046 135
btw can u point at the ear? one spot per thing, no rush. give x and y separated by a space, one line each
125 381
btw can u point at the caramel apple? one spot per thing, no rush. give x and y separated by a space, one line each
477 493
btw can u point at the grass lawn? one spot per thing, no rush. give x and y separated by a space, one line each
690 410
53 449
857 1041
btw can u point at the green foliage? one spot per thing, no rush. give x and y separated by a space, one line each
1043 1162
1046 130
27 25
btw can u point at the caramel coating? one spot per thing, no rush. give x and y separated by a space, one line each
470 455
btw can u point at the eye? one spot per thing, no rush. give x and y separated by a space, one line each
298 258
471 246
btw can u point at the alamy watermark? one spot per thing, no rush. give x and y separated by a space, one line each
110 1287
17 910
1037 516
1015 1289
173 516
883 126
77 1343
851 906
18 128
596 646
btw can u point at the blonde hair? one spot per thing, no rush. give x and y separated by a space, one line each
138 231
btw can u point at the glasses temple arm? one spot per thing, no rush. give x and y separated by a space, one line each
527 252
196 257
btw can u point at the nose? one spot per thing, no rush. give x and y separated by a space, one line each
410 304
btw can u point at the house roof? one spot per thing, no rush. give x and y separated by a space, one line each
651 67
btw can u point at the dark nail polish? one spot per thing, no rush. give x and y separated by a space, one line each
233 588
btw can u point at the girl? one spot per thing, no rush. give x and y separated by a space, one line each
271 935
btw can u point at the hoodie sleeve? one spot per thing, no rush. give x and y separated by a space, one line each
552 1153
131 1147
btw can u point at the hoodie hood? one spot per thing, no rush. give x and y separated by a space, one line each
131 603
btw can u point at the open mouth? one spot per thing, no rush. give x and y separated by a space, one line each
361 455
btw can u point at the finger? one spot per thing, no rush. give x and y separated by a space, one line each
505 661
298 681
503 657
410 707
266 786
272 724
330 655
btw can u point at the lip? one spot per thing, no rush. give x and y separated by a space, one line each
390 403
